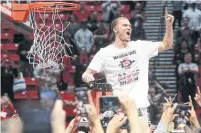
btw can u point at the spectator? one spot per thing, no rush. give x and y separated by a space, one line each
69 35
138 32
156 93
92 23
185 26
177 12
180 52
101 35
186 35
8 73
187 71
109 8
84 38
7 108
197 52
25 67
93 50
81 64
74 25
83 13
138 11
62 86
194 16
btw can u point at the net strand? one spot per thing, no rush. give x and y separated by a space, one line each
49 44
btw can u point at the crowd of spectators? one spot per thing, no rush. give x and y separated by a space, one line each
169 121
187 46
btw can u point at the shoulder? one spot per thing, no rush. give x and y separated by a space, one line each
78 31
141 42
182 64
194 64
90 32
107 48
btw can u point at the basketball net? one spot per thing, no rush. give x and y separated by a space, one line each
49 44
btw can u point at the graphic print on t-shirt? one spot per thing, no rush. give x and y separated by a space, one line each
130 71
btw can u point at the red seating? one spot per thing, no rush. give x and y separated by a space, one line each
127 15
32 94
125 8
7 35
98 8
4 56
14 57
31 81
22 95
64 16
91 8
67 62
66 97
10 47
28 94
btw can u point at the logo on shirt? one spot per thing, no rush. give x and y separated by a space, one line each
126 63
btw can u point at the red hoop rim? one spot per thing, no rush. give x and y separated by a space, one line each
46 6
20 12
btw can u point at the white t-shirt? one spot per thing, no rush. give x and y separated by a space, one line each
127 69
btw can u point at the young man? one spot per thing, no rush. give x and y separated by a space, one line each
125 62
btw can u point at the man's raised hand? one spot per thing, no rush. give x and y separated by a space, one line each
169 18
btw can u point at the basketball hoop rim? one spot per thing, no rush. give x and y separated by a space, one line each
20 11
45 6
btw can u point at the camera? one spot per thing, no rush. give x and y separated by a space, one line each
83 125
182 110
108 103
107 116
82 99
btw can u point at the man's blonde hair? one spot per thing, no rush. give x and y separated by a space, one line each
115 21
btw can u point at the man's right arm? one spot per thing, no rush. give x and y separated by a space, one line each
95 66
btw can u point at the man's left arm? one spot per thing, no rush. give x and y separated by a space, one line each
167 42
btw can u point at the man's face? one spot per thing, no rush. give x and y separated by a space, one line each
188 58
185 21
123 29
183 45
152 91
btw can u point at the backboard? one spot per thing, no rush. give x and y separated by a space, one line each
7 20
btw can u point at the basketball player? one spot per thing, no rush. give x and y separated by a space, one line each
125 62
